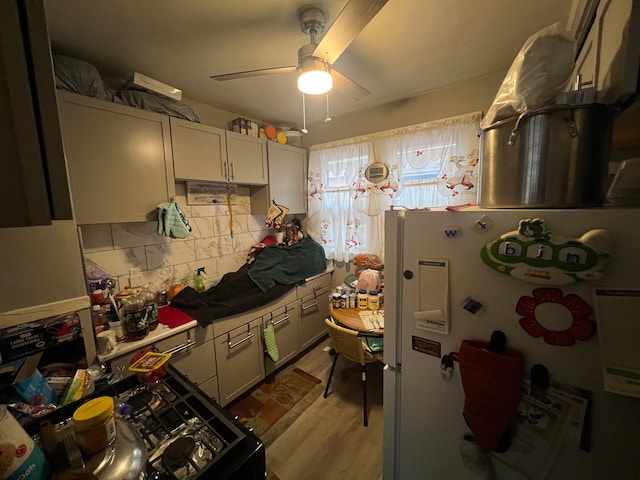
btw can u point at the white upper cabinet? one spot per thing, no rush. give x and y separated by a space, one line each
209 154
199 151
119 160
287 180
247 157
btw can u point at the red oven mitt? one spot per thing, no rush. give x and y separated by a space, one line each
492 382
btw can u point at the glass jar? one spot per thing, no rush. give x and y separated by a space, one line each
136 317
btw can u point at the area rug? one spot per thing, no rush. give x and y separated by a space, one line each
274 405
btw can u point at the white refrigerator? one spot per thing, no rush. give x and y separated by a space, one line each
565 293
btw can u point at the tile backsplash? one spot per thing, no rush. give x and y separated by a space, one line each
115 248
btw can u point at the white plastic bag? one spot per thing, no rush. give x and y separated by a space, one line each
538 74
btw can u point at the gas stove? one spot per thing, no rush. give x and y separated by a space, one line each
187 435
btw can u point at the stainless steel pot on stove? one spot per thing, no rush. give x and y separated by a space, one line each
555 157
125 459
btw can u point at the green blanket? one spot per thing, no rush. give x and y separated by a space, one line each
288 265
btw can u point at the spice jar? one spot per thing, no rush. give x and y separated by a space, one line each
95 424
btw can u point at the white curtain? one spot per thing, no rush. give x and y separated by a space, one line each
429 164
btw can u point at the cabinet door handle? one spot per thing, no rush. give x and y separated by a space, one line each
313 305
231 171
181 348
316 288
283 319
234 345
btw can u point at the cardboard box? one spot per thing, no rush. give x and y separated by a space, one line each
26 379
29 338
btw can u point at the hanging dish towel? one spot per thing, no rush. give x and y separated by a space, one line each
172 222
270 342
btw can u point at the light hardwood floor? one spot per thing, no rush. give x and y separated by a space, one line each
328 441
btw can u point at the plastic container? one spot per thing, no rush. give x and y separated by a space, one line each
335 299
20 457
373 302
136 317
119 329
152 307
363 300
95 424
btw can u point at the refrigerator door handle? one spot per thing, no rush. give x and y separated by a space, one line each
391 368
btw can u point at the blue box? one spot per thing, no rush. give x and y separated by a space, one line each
30 384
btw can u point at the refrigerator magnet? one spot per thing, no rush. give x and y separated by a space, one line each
483 224
581 328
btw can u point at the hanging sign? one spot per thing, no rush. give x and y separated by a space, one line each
535 255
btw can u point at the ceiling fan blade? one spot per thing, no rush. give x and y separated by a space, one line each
346 27
252 73
346 85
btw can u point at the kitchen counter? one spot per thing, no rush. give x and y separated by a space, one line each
159 333
163 331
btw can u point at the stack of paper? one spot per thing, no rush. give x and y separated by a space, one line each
372 319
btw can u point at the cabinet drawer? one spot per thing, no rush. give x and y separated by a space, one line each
197 362
314 285
177 341
210 387
314 308
240 360
285 322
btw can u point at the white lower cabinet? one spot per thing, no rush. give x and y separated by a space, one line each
286 323
240 360
193 355
314 308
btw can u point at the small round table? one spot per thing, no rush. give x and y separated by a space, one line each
350 318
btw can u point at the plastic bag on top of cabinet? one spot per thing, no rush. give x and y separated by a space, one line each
81 77
538 74
157 103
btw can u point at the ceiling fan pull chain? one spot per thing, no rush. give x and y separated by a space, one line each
304 116
327 118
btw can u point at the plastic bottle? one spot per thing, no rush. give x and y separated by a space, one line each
373 301
136 317
363 300
199 281
151 305
98 318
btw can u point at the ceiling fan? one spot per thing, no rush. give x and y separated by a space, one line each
315 72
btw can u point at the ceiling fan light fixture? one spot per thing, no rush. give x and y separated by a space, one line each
315 77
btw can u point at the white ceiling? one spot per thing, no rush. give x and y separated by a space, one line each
410 47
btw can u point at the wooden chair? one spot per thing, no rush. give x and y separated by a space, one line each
347 342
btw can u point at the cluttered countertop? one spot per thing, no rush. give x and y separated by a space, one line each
171 322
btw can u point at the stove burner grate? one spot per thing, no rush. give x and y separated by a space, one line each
178 453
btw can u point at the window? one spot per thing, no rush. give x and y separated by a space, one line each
430 164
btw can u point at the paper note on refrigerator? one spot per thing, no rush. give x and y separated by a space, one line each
617 311
433 295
